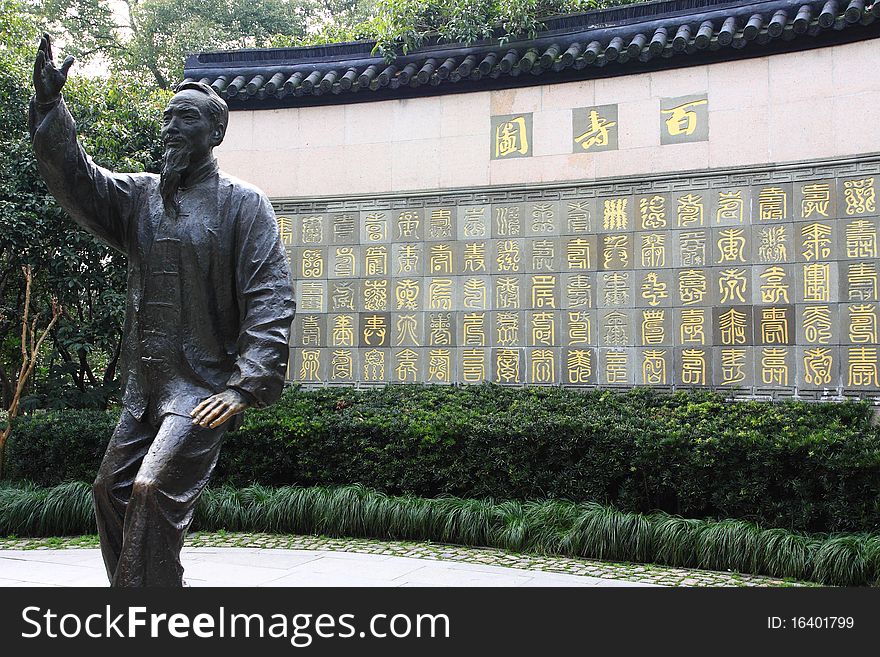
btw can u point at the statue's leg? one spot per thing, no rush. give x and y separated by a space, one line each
163 497
112 488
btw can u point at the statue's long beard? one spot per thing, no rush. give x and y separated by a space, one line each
174 165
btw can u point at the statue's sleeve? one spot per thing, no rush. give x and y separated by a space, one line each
265 301
100 201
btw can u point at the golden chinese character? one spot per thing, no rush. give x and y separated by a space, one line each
772 247
475 222
816 241
653 212
475 294
614 214
441 259
343 227
542 218
860 196
653 289
616 366
507 366
511 138
693 367
407 327
732 362
440 224
374 365
690 210
475 256
731 245
730 207
692 286
341 365
732 327
774 289
506 293
817 324
653 329
342 331
474 329
375 330
440 330
861 239
310 365
772 204
376 261
774 369
407 259
614 251
440 294
863 323
311 296
597 131
544 291
579 292
312 263
440 365
862 369
344 265
615 291
654 250
508 256
862 278
578 217
543 366
815 200
543 252
578 328
376 226
616 329
507 221
732 285
774 325
376 294
407 224
682 119
579 366
406 368
691 330
577 253
311 331
342 295
543 329
693 249
473 365
654 367
507 329
817 281
312 230
285 228
818 363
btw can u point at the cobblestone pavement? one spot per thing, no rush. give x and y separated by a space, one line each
630 572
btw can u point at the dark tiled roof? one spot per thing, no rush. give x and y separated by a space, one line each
617 41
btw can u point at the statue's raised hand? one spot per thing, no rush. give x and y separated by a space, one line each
48 78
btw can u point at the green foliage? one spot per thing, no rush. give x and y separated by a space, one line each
551 527
811 467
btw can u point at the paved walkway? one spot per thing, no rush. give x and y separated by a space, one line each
225 559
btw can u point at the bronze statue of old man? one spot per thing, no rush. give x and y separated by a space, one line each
207 317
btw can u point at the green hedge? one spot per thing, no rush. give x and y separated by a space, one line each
810 467
551 527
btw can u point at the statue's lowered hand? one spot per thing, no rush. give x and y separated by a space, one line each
48 78
219 408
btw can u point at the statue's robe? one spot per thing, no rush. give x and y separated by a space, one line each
209 307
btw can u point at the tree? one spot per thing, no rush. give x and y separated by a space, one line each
119 125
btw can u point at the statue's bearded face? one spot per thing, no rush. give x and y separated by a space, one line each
189 134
